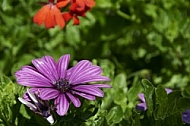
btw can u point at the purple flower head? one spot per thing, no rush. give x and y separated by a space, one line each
56 81
186 116
39 106
168 90
142 106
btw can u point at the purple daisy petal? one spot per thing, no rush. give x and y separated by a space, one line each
186 116
101 85
87 96
91 79
53 67
26 68
141 106
48 93
86 72
141 97
46 66
28 76
62 104
74 99
89 90
62 65
77 68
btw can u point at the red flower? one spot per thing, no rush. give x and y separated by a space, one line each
82 5
78 8
50 14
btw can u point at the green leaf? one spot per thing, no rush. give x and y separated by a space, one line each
120 98
98 119
172 102
115 115
103 3
161 100
136 121
120 81
73 36
107 68
148 92
120 90
6 5
173 120
150 10
133 92
23 112
183 104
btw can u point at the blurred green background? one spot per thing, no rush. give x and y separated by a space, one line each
129 39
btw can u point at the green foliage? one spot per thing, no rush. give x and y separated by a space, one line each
161 108
149 91
8 96
129 39
114 116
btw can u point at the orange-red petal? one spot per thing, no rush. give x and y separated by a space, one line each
73 7
50 20
89 3
76 20
80 5
62 3
40 16
58 17
67 16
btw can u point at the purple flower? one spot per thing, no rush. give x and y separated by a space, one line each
142 106
168 90
56 81
186 116
39 106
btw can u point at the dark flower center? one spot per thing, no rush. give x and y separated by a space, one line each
43 110
62 85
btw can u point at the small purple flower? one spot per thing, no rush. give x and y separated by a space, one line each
56 81
186 116
39 106
142 106
168 90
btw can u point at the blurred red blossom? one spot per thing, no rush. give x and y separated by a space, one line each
78 8
51 15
